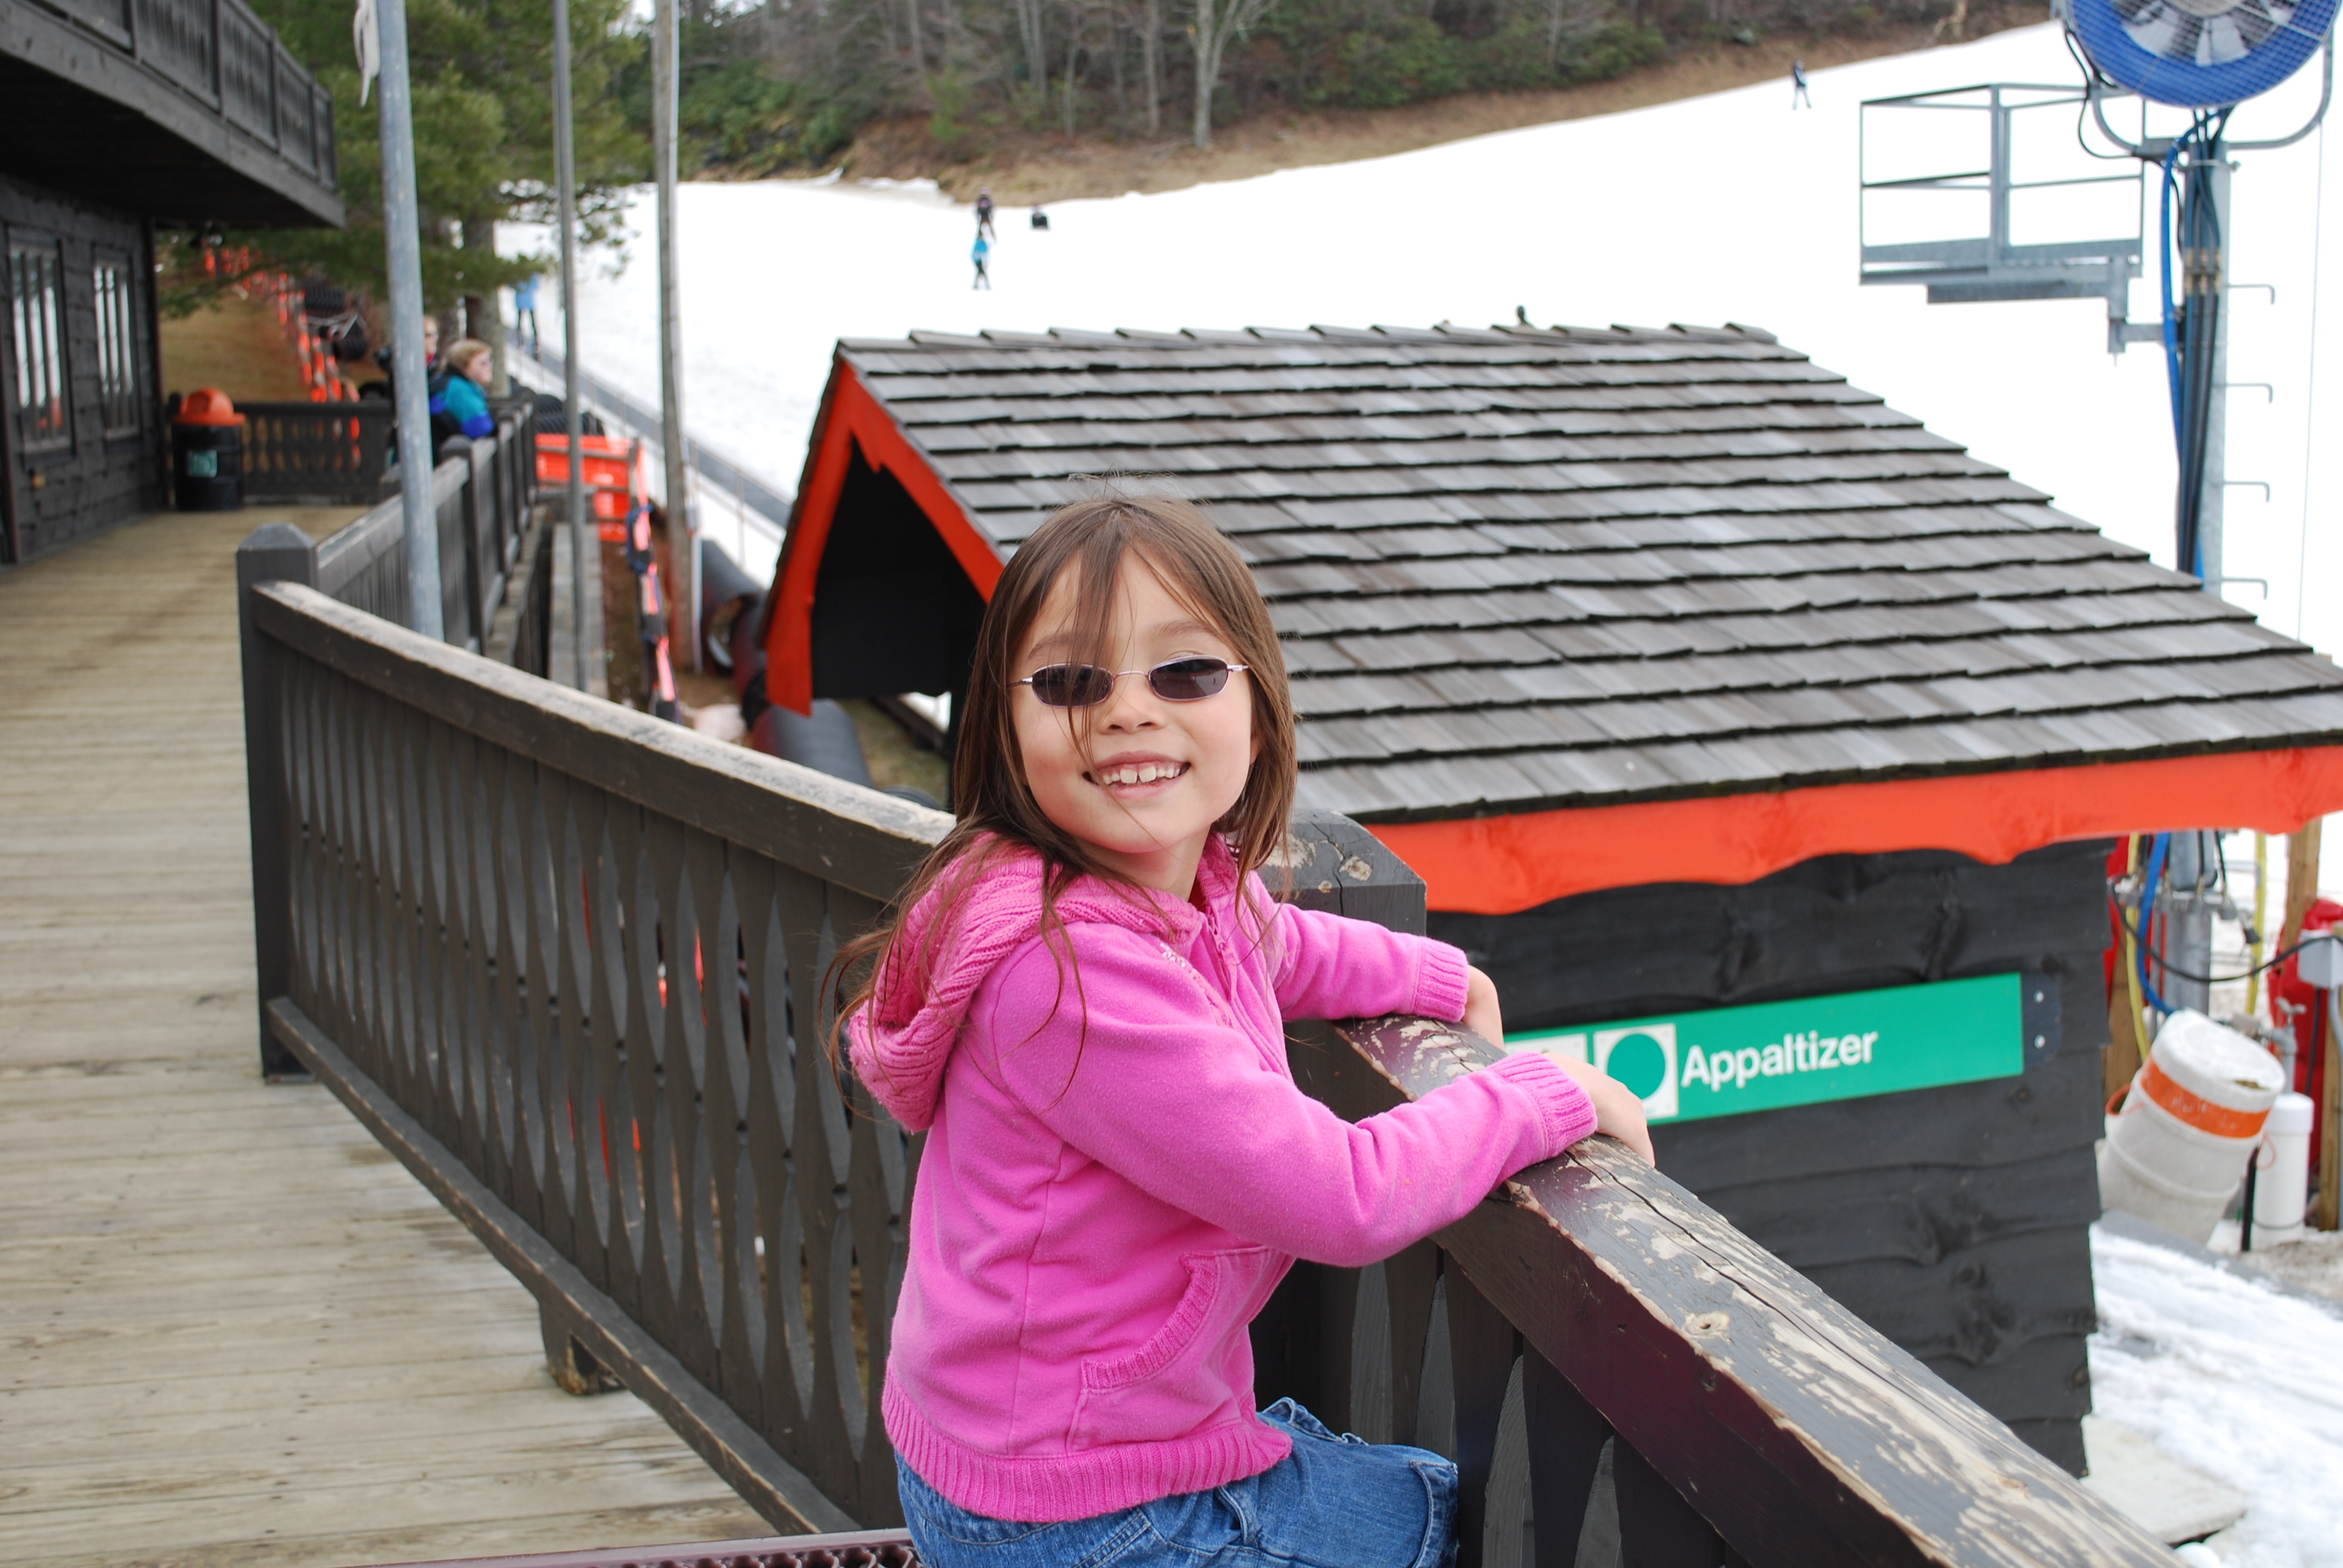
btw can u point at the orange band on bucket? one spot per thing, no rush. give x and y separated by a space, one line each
2196 1109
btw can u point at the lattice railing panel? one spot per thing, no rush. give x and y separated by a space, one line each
675 1132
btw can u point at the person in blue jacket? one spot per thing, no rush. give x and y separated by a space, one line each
459 397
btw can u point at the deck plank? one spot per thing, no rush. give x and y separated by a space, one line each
232 1329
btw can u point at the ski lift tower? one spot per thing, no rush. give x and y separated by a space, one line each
1982 194
1994 193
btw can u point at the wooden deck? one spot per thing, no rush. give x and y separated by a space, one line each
231 1329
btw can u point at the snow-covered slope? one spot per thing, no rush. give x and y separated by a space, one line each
1730 208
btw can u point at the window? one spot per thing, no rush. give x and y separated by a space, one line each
36 313
117 347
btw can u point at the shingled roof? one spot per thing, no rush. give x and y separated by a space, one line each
1522 569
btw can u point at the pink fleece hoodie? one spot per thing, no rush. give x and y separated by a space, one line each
1119 1169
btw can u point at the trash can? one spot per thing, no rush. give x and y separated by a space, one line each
207 453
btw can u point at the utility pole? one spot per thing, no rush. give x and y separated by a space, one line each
682 536
564 178
403 260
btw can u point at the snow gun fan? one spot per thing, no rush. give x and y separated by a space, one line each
2200 54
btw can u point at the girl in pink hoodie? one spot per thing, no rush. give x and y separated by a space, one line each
1082 1005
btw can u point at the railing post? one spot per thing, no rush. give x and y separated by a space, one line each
275 552
1339 867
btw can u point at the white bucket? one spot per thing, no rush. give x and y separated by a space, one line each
2282 1187
2176 1150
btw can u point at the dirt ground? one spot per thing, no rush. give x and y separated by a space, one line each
1022 168
2315 1264
238 348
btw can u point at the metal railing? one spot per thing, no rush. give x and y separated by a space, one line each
562 960
857 1549
718 472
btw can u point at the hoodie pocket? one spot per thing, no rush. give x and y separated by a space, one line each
1189 1372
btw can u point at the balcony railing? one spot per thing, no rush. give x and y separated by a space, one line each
317 451
224 57
562 960
481 494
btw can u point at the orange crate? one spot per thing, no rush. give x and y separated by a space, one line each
609 464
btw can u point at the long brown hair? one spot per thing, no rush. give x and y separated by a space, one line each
998 814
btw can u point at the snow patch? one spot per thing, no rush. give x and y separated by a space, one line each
2234 1379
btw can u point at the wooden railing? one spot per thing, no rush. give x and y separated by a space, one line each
219 53
561 958
481 494
324 452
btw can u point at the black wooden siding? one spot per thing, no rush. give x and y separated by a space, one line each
64 493
1954 1220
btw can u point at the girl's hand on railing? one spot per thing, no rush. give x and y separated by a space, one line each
1617 1110
1482 1015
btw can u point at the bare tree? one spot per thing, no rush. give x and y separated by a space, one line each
1037 62
1218 24
1151 56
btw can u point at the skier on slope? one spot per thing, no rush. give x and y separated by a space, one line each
978 256
984 215
1798 93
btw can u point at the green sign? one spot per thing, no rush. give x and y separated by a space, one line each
1731 1059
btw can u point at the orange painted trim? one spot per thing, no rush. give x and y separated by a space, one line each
1502 865
2220 1120
851 417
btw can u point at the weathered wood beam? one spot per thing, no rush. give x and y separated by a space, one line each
838 832
1803 1436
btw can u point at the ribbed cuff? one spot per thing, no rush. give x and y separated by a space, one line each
1568 1109
1442 979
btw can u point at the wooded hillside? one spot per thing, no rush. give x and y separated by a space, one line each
776 85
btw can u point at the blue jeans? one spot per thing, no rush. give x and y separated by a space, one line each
1334 1503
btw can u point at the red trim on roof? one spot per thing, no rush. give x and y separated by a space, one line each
1501 865
851 417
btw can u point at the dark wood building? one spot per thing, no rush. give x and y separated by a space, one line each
1691 677
116 115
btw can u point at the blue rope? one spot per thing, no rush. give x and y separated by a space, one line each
2153 875
2171 316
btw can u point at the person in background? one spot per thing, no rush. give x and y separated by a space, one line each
1040 218
978 256
460 404
525 309
984 215
1799 93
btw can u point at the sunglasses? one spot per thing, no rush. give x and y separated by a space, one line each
1088 685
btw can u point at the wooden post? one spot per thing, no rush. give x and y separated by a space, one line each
2301 892
2126 1048
2301 880
276 552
